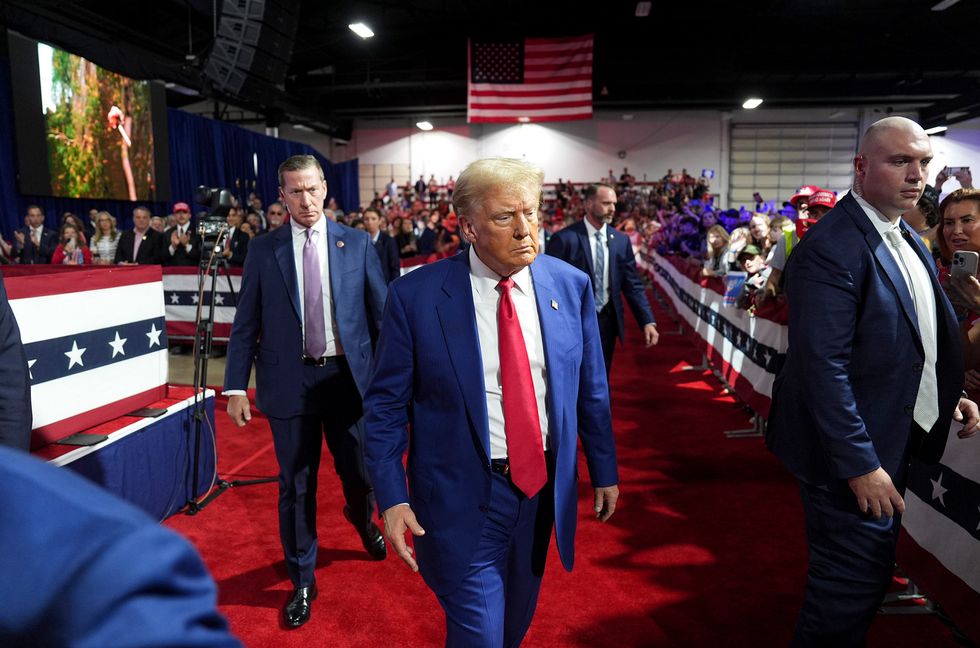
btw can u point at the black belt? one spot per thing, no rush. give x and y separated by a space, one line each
322 361
500 466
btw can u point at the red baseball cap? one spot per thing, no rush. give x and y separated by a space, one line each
803 192
822 197
182 206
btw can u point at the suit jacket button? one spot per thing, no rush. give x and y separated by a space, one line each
484 508
917 367
909 410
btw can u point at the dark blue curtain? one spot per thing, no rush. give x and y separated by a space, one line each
217 154
202 152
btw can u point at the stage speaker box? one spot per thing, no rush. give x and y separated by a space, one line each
251 52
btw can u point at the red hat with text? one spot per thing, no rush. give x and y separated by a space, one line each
804 192
181 206
823 198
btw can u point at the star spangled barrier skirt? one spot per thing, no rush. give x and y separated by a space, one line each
180 297
95 340
149 462
940 549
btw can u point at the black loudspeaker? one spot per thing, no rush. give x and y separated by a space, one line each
251 53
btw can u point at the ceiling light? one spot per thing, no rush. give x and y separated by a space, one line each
835 114
361 30
524 120
935 130
643 9
944 5
754 102
424 125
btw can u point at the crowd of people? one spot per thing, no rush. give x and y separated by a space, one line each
848 277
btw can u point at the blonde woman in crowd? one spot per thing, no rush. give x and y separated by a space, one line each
105 240
716 257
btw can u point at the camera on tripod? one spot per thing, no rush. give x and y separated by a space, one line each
218 202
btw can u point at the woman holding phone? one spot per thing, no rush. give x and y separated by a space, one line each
72 249
959 245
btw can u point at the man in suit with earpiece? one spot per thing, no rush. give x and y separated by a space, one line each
308 315
873 376
605 254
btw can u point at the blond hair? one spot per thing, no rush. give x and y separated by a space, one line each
98 230
482 176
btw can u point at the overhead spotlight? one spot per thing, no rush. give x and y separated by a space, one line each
751 103
643 9
944 5
361 29
935 130
424 125
524 120
835 114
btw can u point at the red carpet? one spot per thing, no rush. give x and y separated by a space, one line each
706 548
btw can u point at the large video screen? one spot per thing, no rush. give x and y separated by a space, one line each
86 132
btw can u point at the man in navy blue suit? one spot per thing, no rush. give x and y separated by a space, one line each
308 314
237 242
873 376
34 243
84 568
15 387
605 254
384 245
492 358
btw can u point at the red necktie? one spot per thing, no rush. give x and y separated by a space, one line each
521 424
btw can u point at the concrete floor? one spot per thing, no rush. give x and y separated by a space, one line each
182 370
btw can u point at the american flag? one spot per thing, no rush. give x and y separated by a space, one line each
530 80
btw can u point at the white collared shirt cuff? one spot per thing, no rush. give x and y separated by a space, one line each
234 392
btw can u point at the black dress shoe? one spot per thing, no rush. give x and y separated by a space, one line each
297 610
371 538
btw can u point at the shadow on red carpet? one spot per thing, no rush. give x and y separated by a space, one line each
706 547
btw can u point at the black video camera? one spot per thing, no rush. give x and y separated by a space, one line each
218 202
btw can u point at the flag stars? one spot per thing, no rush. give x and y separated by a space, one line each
938 490
174 298
75 355
219 299
117 345
194 298
154 335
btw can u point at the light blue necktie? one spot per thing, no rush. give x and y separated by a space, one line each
600 271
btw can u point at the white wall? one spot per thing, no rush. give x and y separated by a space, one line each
580 151
959 146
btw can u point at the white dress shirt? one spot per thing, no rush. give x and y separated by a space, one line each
486 299
299 241
919 285
593 244
181 230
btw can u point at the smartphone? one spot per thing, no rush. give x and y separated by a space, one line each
965 263
757 197
707 173
952 171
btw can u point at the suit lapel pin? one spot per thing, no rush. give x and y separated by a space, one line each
554 304
340 244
